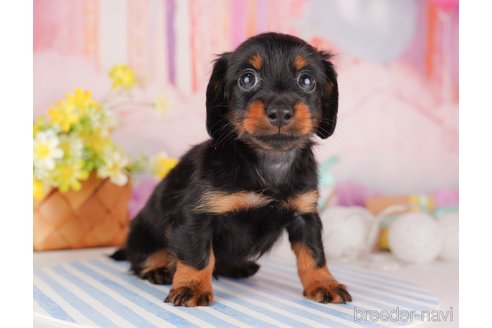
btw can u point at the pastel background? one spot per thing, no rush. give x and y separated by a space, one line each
397 62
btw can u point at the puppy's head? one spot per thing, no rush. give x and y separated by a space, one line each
274 92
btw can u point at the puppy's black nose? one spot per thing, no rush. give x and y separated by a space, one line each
280 116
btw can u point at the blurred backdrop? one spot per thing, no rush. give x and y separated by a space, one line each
397 62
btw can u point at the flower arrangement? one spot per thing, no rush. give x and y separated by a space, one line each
81 177
74 139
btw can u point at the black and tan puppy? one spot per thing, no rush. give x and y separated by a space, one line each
230 198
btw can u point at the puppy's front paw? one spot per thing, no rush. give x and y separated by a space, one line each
189 296
328 292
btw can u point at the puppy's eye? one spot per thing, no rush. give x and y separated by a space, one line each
306 82
248 80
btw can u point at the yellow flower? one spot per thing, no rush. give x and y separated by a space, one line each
122 77
95 141
81 99
162 165
39 189
68 113
64 115
69 175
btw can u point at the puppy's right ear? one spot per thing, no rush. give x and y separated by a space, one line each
217 98
329 98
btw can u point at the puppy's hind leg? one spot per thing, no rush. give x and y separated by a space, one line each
191 241
192 286
158 268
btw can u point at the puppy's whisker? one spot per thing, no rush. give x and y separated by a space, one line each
217 123
328 120
221 135
225 136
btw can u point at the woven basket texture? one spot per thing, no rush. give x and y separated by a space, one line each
95 216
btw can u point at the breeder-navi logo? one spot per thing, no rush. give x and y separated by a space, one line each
400 315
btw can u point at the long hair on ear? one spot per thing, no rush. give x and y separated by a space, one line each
217 99
329 99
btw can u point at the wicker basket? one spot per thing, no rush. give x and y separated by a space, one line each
95 216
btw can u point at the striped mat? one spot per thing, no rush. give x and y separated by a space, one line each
101 293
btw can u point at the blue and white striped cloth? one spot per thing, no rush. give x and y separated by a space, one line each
101 293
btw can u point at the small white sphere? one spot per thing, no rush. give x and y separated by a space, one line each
345 231
449 225
415 238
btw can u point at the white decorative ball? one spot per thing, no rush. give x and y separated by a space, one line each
415 238
449 225
345 231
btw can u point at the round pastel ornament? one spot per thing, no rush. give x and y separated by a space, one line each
415 238
345 231
449 225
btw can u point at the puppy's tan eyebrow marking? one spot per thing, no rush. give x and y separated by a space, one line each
299 62
304 203
220 202
256 61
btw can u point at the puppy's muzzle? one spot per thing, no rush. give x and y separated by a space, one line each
280 112
280 116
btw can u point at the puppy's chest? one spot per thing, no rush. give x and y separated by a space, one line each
222 203
271 184
274 170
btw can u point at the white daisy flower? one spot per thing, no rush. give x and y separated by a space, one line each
114 168
46 150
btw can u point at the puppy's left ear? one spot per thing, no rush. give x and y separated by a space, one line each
217 98
329 99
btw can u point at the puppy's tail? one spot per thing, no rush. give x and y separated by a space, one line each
120 255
